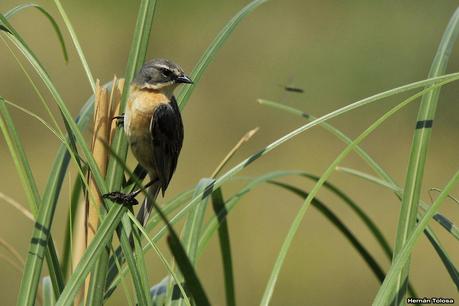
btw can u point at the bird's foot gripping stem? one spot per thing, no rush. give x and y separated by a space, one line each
127 199
119 120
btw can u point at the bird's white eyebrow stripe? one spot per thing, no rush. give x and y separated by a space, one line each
163 66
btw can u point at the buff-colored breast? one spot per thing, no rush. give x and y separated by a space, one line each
140 108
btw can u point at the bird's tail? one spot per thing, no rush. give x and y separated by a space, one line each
147 205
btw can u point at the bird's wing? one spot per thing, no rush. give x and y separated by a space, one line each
167 136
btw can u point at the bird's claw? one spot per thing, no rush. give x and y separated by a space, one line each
121 198
119 120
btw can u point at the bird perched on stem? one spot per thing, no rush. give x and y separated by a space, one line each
154 128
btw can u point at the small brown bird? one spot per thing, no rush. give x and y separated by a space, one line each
154 128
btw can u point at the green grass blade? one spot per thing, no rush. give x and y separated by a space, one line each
215 223
386 292
161 257
113 276
77 45
119 146
19 158
335 220
191 280
218 204
71 215
36 90
30 186
134 256
294 133
299 217
418 154
211 51
135 259
186 267
73 131
445 258
38 118
48 295
53 22
386 181
239 167
193 227
50 197
361 214
442 220
202 64
136 59
231 173
142 287
445 222
90 256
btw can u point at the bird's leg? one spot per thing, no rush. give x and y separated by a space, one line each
119 120
126 198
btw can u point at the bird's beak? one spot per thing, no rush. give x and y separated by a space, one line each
183 79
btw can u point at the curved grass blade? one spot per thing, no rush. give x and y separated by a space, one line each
48 296
236 169
60 134
52 189
20 208
445 258
418 154
12 251
34 198
209 54
54 183
142 287
269 178
133 255
161 257
88 260
386 292
443 221
73 129
454 199
19 158
191 279
74 132
192 229
232 172
53 22
335 220
119 146
77 45
299 217
35 116
67 253
114 277
387 181
218 204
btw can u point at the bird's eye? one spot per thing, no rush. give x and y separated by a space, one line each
166 72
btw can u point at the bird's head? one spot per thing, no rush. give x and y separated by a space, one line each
161 75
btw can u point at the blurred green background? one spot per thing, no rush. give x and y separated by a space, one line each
338 51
